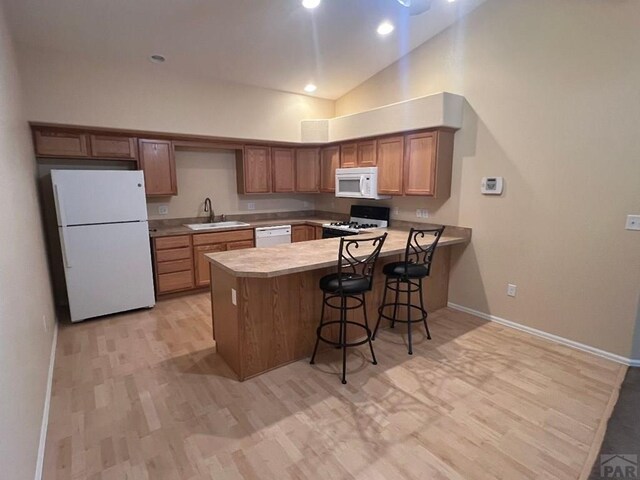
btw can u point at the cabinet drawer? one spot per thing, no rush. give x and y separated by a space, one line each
163 243
173 282
222 237
240 245
173 254
174 266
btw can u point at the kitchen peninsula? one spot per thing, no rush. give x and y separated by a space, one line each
266 301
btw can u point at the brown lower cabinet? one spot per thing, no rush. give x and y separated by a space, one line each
180 262
173 264
303 233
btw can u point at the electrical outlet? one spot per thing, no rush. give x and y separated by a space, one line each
633 222
306 204
163 209
396 211
251 206
419 212
234 299
511 289
422 213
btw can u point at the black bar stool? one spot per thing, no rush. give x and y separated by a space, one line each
356 264
406 277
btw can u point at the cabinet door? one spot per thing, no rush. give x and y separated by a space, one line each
284 172
367 154
202 264
318 232
390 163
159 167
298 233
311 232
329 161
60 144
419 164
348 155
108 146
307 170
256 169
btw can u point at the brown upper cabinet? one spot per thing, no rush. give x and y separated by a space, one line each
329 161
307 170
253 169
367 154
54 143
68 144
158 163
390 156
284 171
348 155
109 146
428 161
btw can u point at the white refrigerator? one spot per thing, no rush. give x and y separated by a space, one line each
104 237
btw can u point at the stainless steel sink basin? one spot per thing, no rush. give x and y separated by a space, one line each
215 225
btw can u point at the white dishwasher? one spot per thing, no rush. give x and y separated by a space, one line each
269 236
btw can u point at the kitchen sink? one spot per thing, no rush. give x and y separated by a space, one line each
213 226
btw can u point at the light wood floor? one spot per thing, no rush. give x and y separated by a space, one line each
143 395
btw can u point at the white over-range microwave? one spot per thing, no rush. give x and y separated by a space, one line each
358 183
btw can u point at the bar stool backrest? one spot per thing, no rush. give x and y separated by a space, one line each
421 245
352 259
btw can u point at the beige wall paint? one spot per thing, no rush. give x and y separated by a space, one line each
213 174
72 89
26 307
554 107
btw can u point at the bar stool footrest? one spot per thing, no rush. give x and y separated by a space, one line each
344 323
423 316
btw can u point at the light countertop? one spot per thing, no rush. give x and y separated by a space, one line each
182 230
311 255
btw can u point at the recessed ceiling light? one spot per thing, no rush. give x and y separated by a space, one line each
385 28
451 1
310 3
310 88
157 58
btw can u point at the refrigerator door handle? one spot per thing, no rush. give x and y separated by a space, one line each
63 244
62 218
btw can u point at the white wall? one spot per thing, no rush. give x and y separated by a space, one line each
26 309
554 107
71 89
213 174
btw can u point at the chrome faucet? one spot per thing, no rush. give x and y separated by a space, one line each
209 208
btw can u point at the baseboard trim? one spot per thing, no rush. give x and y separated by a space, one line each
549 336
47 404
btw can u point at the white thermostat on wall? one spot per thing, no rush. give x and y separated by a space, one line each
491 186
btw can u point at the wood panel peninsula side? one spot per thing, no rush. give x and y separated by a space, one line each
266 301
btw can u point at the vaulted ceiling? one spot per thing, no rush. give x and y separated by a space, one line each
275 44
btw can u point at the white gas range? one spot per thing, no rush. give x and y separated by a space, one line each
363 218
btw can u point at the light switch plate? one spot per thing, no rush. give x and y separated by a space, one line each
511 289
633 222
251 206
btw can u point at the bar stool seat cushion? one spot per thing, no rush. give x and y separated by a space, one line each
351 283
401 269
